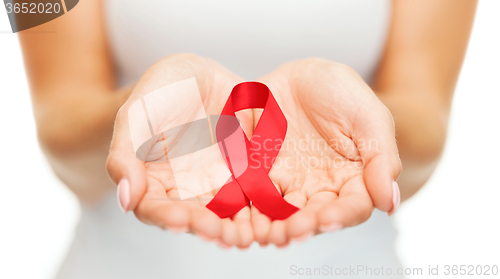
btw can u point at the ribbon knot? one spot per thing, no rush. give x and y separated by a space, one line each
249 179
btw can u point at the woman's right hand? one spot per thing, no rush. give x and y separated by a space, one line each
147 188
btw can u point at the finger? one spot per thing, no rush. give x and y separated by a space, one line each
229 228
353 207
229 235
380 179
375 138
277 232
157 209
123 166
204 222
261 225
201 221
303 224
244 228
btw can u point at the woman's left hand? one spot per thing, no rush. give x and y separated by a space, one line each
339 159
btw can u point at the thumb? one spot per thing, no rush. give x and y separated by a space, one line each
124 168
375 139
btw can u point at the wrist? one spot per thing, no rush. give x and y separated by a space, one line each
420 137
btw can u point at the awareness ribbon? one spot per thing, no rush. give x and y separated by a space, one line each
251 182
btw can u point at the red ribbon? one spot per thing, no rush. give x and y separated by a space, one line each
250 182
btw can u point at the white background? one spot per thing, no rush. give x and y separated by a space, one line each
453 220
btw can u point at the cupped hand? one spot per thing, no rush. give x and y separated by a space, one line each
339 159
148 188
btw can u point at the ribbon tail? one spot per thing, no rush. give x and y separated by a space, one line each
267 199
229 200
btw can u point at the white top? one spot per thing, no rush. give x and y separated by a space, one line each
250 38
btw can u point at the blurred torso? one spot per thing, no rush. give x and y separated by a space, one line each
251 38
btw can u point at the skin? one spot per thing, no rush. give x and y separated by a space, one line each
330 103
418 72
153 181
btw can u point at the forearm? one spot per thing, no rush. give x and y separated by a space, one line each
74 131
416 79
421 125
75 123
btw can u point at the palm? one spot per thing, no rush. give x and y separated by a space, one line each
320 167
324 167
162 204
319 164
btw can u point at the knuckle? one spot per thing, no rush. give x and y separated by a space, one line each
112 164
184 60
398 166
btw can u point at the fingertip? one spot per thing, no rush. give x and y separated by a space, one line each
176 216
277 234
300 224
329 219
223 245
261 225
264 244
283 245
348 211
206 223
177 230
378 178
244 228
130 178
229 236
303 237
245 235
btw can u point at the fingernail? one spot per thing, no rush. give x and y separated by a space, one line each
303 237
396 198
123 193
330 228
